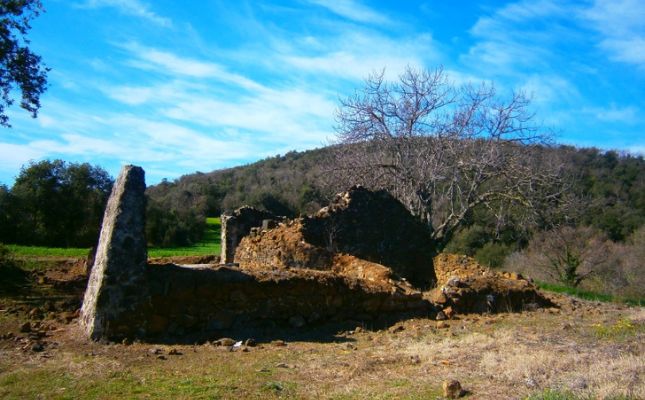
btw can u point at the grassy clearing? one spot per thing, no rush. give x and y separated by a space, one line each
210 244
589 295
40 251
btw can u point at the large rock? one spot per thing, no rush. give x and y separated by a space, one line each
117 286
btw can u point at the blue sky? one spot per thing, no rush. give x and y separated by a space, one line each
178 87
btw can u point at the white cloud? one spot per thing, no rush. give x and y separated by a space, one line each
637 149
13 156
133 8
354 55
353 10
622 26
550 89
174 65
613 113
517 36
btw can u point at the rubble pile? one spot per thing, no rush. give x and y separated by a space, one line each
465 286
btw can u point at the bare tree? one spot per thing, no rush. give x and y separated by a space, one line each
443 150
569 255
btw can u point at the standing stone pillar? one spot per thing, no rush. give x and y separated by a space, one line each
117 291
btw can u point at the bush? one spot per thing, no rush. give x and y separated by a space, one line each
11 275
492 254
600 265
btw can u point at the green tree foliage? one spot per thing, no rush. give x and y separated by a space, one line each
284 185
20 68
613 186
169 228
54 203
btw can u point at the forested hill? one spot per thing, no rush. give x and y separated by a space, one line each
286 185
610 185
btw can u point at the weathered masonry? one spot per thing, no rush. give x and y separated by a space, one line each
126 297
364 258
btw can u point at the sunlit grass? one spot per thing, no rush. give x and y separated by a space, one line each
589 295
209 245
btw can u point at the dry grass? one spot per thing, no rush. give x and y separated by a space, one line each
509 356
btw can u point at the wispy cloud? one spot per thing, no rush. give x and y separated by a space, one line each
173 65
353 10
356 54
614 113
517 36
622 26
133 8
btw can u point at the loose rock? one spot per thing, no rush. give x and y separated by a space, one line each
452 389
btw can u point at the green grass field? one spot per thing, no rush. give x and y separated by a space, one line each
210 244
588 295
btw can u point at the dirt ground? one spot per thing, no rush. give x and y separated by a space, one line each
579 349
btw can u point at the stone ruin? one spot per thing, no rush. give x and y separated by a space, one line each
237 225
363 258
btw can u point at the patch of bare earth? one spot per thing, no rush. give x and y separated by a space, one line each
590 349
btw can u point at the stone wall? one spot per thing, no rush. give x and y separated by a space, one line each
236 226
198 304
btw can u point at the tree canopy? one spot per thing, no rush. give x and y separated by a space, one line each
20 68
55 203
445 150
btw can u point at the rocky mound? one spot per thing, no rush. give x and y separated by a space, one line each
467 287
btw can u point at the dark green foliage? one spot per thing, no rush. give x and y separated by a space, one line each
284 185
493 254
614 186
610 189
178 227
54 203
11 275
19 67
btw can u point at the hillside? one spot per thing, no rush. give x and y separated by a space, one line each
610 185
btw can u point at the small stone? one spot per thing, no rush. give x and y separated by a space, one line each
452 389
350 346
25 328
443 325
37 347
175 352
283 365
396 329
449 312
415 359
250 342
279 343
441 316
161 357
155 350
224 342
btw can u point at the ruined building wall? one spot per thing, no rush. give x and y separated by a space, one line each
236 226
